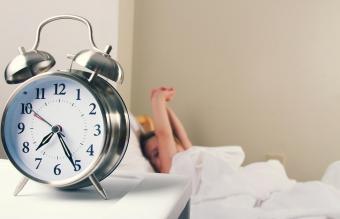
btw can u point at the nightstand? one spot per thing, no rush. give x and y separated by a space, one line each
131 195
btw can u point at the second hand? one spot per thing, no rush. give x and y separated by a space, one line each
35 114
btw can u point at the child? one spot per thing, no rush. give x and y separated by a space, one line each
169 136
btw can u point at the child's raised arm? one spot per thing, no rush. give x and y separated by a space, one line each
163 131
178 129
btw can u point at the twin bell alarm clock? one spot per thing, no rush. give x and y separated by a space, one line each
68 128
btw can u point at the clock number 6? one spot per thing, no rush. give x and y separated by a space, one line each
57 170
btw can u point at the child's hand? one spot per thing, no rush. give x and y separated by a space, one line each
167 92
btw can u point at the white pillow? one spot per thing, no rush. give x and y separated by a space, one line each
134 159
332 175
233 155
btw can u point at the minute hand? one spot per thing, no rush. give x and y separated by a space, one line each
66 149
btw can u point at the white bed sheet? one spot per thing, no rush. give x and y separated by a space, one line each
257 191
224 189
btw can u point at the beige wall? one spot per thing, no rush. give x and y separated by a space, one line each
263 74
18 26
125 45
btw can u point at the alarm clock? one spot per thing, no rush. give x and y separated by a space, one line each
68 128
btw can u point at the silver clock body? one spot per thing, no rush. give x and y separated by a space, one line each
116 125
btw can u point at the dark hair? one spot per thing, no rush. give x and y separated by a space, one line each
143 139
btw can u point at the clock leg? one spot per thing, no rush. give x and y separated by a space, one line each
21 185
98 187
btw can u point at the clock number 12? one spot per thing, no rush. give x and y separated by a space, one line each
59 89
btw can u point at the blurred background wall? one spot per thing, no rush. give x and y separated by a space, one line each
262 74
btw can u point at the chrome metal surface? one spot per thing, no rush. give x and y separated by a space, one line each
97 186
21 185
120 77
31 63
62 17
99 63
117 125
118 118
27 65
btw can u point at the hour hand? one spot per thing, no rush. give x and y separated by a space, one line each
45 140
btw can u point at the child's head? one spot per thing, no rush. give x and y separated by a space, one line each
149 146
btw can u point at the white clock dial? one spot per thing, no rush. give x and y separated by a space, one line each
54 129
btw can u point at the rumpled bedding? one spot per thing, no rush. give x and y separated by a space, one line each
221 188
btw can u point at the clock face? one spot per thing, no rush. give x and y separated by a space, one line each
54 129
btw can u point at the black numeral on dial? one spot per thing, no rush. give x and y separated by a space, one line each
25 148
59 89
57 170
40 93
90 150
39 159
21 127
92 109
97 130
26 108
77 166
78 94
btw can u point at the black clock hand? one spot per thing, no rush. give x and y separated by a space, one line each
66 149
45 140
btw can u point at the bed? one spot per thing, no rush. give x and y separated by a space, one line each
223 188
